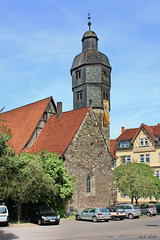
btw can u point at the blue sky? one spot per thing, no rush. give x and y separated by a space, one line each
40 38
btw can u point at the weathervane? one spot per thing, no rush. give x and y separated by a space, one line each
89 23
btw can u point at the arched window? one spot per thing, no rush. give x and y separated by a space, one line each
88 184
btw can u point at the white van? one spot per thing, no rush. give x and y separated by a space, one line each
4 214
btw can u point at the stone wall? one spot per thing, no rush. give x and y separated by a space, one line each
88 155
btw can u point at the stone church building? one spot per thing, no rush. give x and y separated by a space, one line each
81 136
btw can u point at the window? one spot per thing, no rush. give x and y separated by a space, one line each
144 142
78 74
79 95
144 158
105 95
92 210
125 159
124 144
157 174
89 184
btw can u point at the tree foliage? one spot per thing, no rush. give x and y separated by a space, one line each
30 178
23 180
5 136
136 180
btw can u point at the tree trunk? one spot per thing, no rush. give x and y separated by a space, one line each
132 200
19 212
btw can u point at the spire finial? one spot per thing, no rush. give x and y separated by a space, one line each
89 23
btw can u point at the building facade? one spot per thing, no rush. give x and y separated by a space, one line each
141 145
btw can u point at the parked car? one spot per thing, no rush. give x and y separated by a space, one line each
131 210
117 213
158 208
95 214
44 215
157 204
4 215
148 209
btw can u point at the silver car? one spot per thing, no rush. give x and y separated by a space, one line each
117 213
131 210
95 214
148 209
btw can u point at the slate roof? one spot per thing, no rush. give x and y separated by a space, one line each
58 133
23 121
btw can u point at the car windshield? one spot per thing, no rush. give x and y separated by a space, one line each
103 210
3 210
46 209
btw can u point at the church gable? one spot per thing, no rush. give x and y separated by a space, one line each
25 121
88 158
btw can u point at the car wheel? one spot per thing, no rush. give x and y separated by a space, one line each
148 214
121 218
39 221
78 217
106 220
94 219
130 216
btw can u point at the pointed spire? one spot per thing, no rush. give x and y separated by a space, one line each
89 23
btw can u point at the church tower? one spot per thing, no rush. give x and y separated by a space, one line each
91 81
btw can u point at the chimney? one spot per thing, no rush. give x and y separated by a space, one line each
122 129
59 109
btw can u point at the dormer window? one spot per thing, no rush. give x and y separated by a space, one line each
143 142
78 74
124 144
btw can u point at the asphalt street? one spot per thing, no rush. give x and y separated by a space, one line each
142 228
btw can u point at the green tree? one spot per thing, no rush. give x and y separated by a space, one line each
157 192
64 181
22 179
135 180
5 136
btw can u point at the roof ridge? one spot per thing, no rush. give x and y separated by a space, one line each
74 110
27 105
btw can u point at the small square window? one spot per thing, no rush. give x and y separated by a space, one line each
145 158
128 158
143 142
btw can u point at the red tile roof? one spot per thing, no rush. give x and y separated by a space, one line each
23 121
128 134
156 130
58 133
112 147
